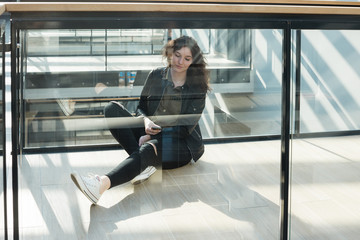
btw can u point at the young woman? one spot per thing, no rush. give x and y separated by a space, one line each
170 106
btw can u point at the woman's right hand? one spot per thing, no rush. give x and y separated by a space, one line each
150 127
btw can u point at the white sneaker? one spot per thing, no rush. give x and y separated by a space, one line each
144 175
88 185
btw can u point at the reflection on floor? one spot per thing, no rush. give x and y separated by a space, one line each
231 193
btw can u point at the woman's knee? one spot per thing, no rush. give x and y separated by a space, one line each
154 147
113 109
148 148
148 152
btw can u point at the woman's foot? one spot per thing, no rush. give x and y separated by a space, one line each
90 186
144 175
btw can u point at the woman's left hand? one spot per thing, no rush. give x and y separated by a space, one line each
144 139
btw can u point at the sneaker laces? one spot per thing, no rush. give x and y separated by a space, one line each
93 180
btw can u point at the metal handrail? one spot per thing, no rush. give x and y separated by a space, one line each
210 6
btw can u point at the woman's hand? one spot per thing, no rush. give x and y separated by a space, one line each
144 139
150 127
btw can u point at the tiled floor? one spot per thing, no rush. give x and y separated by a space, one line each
325 189
231 193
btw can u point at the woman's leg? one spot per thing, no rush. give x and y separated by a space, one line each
94 186
128 137
166 151
173 153
137 162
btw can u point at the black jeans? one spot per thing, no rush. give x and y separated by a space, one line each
126 129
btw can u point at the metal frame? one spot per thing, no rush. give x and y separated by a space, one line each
3 128
181 20
14 131
285 135
297 81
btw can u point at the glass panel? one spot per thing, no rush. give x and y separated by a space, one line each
64 69
329 96
325 170
232 192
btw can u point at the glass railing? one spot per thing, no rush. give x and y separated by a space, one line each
325 169
284 72
70 75
329 81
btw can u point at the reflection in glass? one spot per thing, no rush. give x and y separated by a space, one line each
232 192
329 96
67 71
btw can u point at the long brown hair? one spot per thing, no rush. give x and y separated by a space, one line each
197 73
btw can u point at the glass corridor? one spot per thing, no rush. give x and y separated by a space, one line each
67 74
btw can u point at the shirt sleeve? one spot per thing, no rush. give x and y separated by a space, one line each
142 108
194 110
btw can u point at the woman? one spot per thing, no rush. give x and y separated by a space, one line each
170 106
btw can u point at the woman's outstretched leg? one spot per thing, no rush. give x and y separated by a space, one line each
94 186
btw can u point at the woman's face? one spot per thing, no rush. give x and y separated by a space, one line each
181 60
